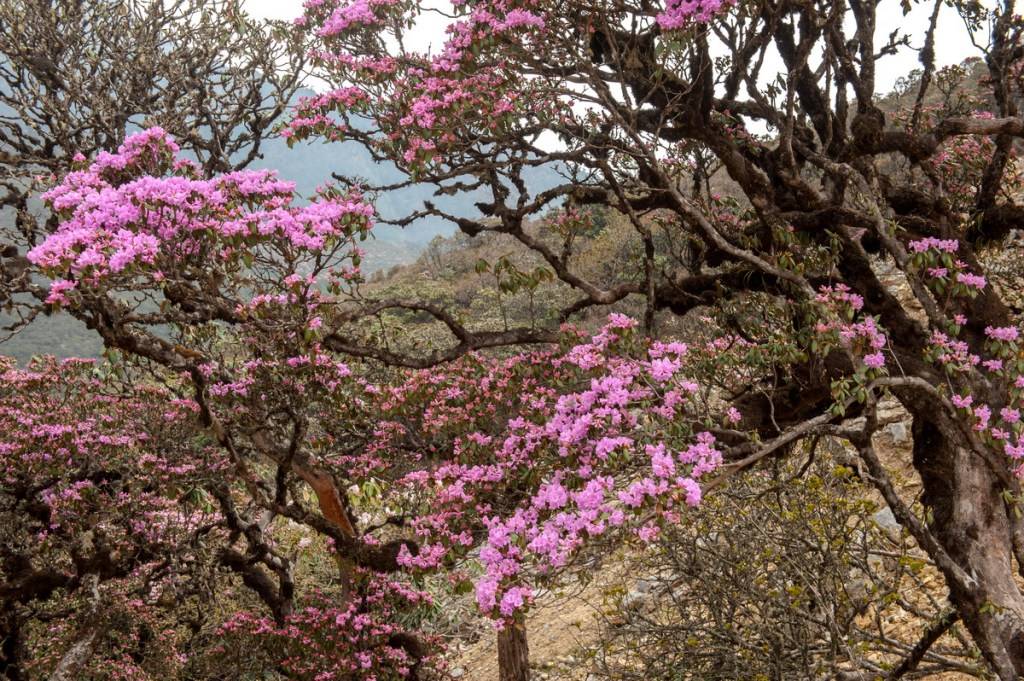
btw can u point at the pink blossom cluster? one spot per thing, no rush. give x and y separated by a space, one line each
420 105
1005 333
132 215
680 14
947 275
358 12
962 360
932 243
974 281
58 425
600 455
864 337
840 294
92 460
962 162
325 641
996 420
952 353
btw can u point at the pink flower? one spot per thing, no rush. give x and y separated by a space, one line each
971 280
662 462
606 445
620 321
983 414
58 291
521 17
552 495
993 364
513 599
693 492
486 593
1002 333
875 360
932 243
679 14
962 401
648 532
663 369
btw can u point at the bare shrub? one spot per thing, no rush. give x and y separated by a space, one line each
784 577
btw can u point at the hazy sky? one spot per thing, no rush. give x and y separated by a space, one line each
953 43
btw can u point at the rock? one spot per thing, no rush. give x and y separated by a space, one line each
638 596
898 432
887 521
891 410
457 673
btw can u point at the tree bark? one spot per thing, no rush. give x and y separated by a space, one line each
513 653
973 525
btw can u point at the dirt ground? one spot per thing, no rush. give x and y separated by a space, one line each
556 630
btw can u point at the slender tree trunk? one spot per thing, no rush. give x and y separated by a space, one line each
972 523
513 653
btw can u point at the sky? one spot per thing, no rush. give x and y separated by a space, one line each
953 43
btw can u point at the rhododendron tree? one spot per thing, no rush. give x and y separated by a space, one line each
651 105
236 297
77 77
225 289
146 245
94 535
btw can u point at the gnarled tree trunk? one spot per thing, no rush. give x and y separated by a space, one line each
973 525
